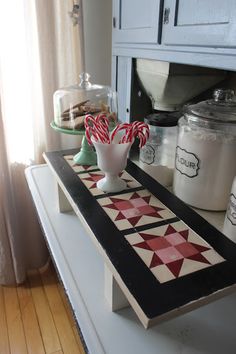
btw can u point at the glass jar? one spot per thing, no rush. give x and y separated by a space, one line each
205 162
229 228
160 147
72 103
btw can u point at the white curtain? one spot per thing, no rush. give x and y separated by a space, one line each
40 51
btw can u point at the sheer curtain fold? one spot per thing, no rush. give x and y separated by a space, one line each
56 61
11 253
46 56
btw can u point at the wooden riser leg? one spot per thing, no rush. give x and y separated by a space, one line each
63 204
113 294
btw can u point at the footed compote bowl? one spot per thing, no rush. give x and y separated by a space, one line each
112 160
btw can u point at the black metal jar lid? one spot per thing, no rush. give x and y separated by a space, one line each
163 118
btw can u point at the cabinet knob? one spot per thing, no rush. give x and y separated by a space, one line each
114 22
166 15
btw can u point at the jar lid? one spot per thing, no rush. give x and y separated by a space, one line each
163 118
222 108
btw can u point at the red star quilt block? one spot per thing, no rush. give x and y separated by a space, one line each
90 179
135 209
173 250
78 168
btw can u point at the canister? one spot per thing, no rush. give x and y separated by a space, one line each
205 161
160 147
229 228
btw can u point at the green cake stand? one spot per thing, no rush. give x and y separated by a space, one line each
86 155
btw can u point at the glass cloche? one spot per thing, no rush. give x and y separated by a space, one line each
73 103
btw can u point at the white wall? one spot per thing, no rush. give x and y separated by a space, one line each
97 17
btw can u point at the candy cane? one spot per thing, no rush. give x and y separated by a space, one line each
132 130
96 129
130 135
87 119
142 139
142 131
103 126
103 135
118 128
88 135
102 118
88 128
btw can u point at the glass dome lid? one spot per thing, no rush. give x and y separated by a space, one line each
73 103
221 109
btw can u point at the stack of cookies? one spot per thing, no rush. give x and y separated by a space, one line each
73 117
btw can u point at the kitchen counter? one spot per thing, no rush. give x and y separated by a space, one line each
209 329
159 246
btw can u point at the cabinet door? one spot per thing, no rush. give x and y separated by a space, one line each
124 73
136 21
210 23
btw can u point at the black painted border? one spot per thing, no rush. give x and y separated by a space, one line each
154 298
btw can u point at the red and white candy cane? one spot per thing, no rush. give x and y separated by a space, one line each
141 130
132 130
137 130
95 129
103 126
129 135
140 126
142 139
88 124
89 132
119 127
102 119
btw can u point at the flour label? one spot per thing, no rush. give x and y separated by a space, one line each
187 163
231 211
149 154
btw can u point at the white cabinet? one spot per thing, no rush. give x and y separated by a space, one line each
191 32
192 23
210 23
136 21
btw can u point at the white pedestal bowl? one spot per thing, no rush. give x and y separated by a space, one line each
112 160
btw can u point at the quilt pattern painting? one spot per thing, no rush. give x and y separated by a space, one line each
157 246
170 250
173 250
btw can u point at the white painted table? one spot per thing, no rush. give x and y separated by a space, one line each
210 329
